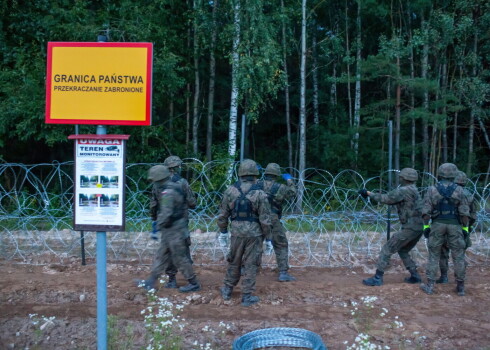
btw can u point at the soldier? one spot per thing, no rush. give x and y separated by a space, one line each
408 203
447 206
248 209
174 165
172 223
277 195
459 180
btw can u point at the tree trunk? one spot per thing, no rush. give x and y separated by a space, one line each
212 81
187 119
347 49
234 86
412 94
444 113
333 87
471 155
171 109
425 122
455 125
197 84
286 89
398 115
357 102
314 69
302 110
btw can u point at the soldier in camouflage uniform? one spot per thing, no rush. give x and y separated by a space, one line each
460 180
172 223
408 203
248 209
277 195
447 206
174 165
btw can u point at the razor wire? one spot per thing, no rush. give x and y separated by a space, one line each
330 225
281 336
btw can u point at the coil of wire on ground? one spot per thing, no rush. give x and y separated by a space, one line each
289 337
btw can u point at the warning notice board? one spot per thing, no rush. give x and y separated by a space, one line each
99 182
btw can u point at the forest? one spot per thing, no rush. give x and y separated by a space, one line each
318 82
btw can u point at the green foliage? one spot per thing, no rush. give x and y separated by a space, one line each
117 338
390 34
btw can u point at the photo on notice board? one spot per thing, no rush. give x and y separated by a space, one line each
114 200
83 200
104 201
84 181
114 182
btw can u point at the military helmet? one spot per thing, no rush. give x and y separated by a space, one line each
409 174
158 172
447 171
248 167
460 178
172 161
273 169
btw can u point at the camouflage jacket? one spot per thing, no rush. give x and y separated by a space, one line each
433 197
260 206
172 207
190 198
471 205
408 204
277 194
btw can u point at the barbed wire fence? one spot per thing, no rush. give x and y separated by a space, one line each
331 226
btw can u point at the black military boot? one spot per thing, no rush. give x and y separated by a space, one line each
376 280
284 276
226 292
249 299
148 284
429 287
193 286
460 288
414 276
443 279
172 282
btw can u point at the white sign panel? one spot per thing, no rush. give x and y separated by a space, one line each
99 184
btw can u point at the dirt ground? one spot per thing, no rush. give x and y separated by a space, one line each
322 300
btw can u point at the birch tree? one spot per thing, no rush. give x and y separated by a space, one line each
302 109
357 99
235 60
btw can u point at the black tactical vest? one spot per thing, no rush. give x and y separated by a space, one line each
243 210
446 206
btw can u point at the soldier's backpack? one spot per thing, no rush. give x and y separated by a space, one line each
446 206
243 210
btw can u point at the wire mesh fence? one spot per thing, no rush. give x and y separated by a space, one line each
330 225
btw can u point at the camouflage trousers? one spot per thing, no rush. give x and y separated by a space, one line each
173 255
444 260
280 244
451 236
246 252
402 242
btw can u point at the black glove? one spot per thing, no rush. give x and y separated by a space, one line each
426 232
363 193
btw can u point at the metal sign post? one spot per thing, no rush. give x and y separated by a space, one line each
101 279
99 202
